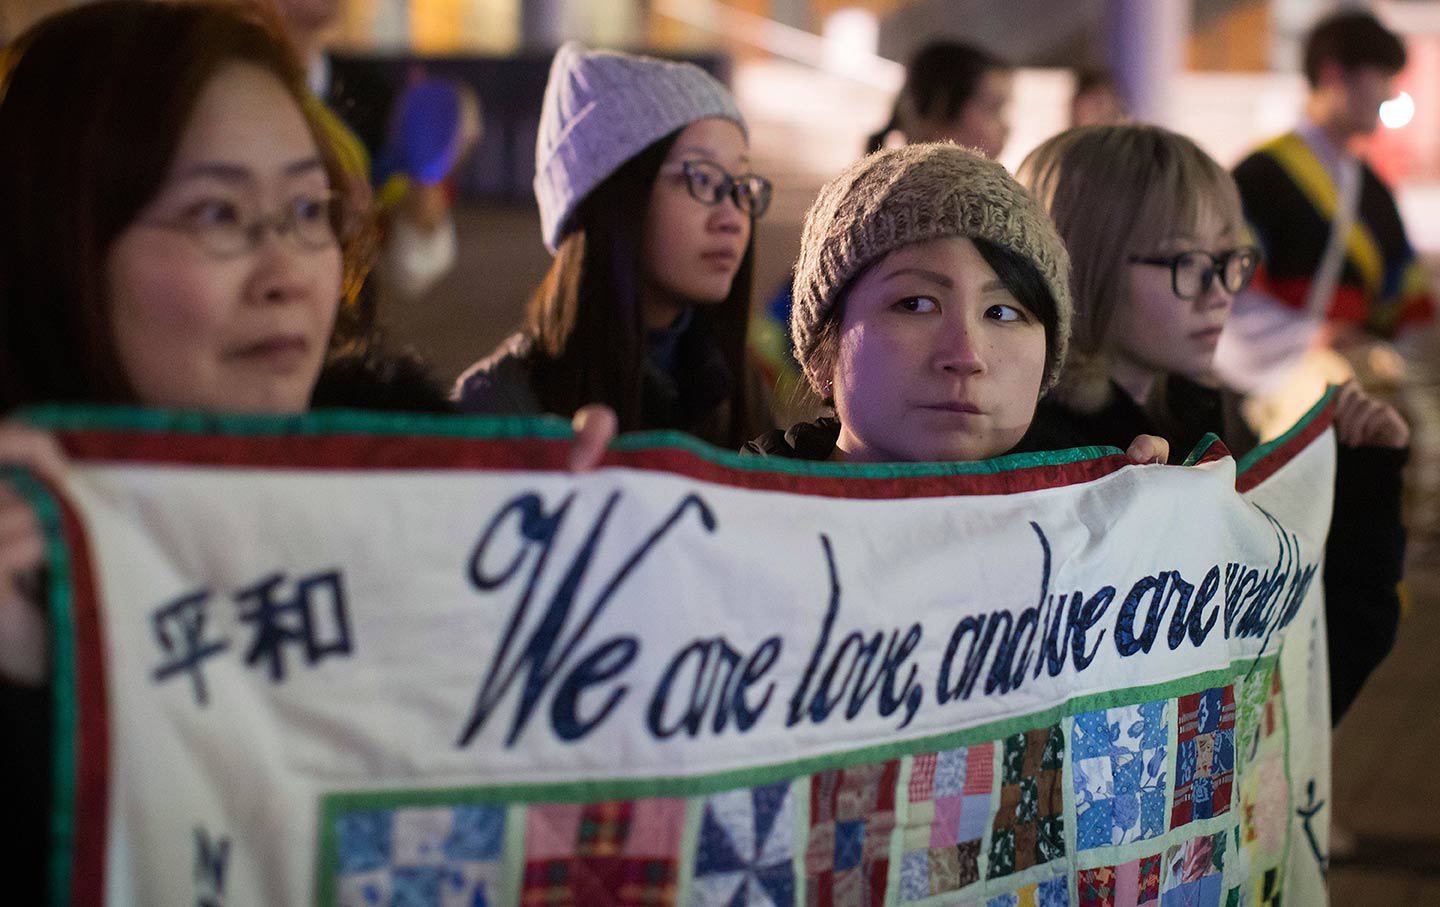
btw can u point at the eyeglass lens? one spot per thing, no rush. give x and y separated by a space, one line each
1194 271
310 222
710 184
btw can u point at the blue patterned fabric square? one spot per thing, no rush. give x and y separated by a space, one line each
1093 825
1153 730
416 886
1185 758
1092 735
849 844
1004 900
915 875
364 841
1212 703
1121 783
1204 892
1125 771
1152 814
478 833
1202 796
974 816
744 852
950 772
419 856
1224 756
1053 893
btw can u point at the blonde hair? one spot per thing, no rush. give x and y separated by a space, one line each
1116 191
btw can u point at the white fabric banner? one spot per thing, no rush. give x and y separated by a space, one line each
351 660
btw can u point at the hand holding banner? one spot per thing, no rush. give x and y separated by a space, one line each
352 659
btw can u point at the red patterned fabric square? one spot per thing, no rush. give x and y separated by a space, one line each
852 821
1097 887
922 777
620 854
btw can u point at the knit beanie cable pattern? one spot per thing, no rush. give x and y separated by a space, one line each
602 108
910 195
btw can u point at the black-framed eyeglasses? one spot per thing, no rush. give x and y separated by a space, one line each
226 228
710 184
1192 271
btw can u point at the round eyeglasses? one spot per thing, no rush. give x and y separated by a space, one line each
710 184
1192 271
226 228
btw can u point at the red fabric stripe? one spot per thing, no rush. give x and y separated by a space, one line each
1267 466
92 750
358 451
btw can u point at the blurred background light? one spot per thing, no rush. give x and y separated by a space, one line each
1398 111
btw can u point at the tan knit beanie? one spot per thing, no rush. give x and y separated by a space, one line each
915 194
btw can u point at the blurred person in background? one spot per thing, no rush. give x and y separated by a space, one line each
428 131
1339 274
1097 100
953 92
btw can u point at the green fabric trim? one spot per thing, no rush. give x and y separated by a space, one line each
640 788
1264 450
57 417
64 700
1201 446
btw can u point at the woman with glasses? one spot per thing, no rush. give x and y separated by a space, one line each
1156 240
648 203
170 236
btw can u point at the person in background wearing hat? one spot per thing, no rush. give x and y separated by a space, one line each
647 202
932 311
1153 227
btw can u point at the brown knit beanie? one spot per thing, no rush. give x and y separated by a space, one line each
915 194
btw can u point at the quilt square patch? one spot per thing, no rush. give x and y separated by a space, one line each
1118 759
615 853
1133 884
1260 713
1194 873
1205 755
852 821
430 857
1049 893
744 853
1264 788
1029 824
950 800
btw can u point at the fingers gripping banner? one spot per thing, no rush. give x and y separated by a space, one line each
357 660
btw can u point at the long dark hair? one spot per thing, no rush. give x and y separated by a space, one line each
940 80
585 318
93 102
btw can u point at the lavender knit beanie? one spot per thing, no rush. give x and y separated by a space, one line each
602 108
910 195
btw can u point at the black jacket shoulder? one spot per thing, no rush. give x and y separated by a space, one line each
804 441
